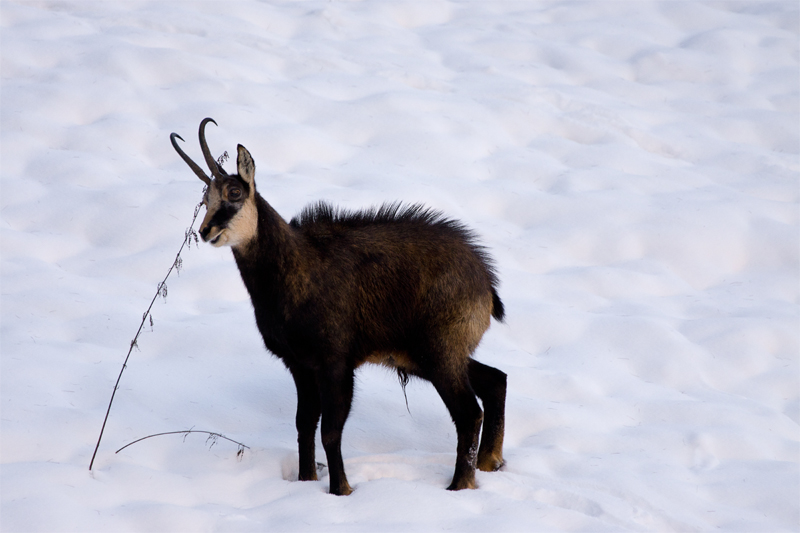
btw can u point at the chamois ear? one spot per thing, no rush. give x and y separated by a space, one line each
245 165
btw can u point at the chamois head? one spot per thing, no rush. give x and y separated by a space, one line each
231 215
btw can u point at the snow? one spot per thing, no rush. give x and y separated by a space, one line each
631 166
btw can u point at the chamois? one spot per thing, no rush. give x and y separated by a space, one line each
400 286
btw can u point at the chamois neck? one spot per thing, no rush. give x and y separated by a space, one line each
273 249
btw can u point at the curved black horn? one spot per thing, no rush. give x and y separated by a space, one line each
194 166
216 168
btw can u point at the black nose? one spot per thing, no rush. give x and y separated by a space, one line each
204 233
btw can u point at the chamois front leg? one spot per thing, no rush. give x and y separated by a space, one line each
336 394
308 412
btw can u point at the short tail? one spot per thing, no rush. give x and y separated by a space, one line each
498 311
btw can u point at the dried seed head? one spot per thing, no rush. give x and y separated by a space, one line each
162 290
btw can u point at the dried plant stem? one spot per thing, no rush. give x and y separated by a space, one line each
160 291
211 436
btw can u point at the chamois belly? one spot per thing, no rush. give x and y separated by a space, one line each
396 360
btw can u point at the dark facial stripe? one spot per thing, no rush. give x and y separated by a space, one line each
222 216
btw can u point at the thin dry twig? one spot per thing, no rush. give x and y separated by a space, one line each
160 291
212 436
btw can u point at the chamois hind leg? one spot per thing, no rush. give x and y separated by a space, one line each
308 413
453 386
336 394
490 386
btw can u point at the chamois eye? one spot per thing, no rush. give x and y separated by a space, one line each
234 194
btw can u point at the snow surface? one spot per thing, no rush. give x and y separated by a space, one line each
631 165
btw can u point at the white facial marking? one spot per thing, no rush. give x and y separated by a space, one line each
243 226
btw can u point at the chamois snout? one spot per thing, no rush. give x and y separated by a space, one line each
216 220
204 234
